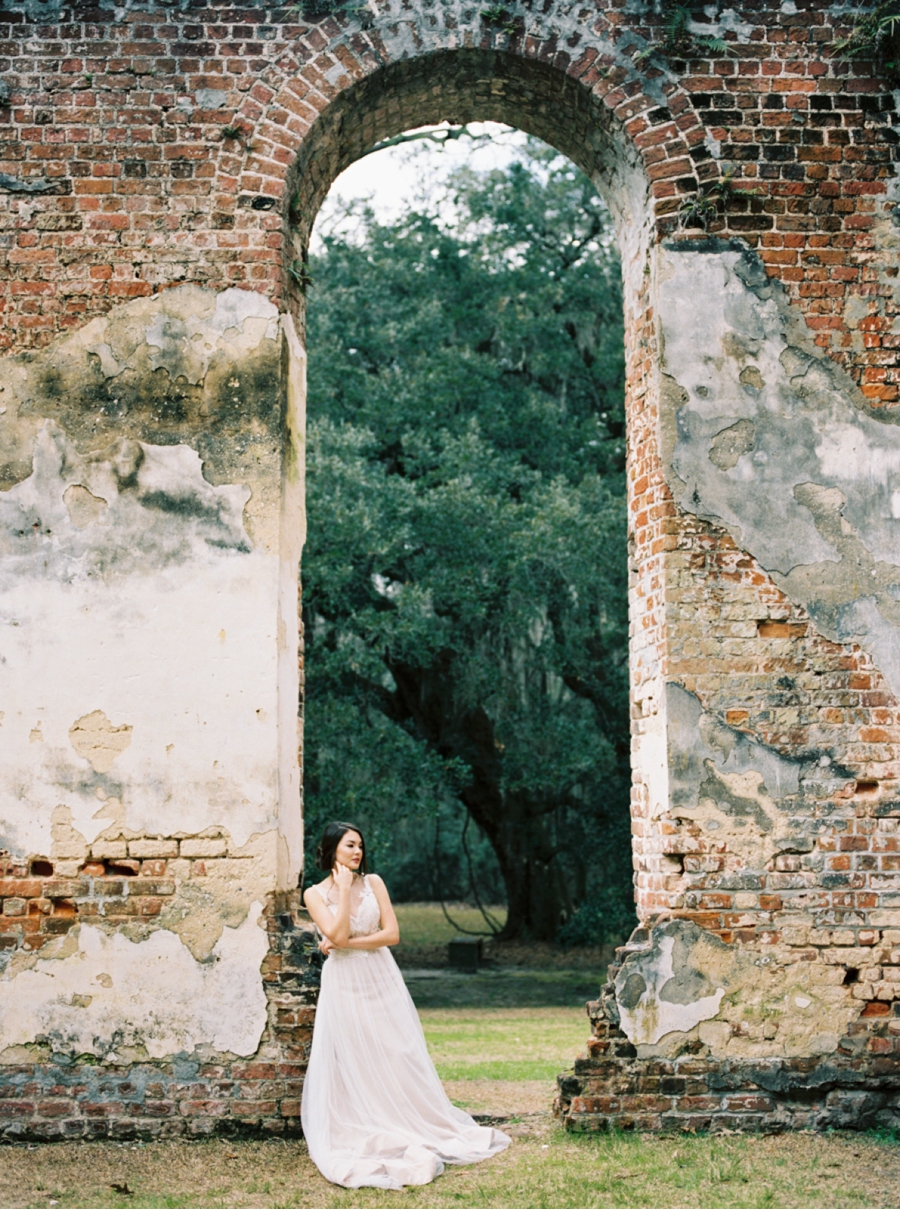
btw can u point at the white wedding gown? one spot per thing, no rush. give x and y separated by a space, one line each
374 1111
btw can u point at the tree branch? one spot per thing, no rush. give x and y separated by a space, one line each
441 135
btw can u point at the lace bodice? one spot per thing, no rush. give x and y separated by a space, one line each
365 915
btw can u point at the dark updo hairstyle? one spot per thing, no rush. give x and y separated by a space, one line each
331 838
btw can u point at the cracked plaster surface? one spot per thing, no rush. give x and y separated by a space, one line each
764 435
142 581
654 998
744 795
118 999
682 985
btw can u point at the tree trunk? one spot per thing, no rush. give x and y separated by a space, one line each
537 895
520 832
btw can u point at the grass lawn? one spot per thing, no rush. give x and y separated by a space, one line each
425 932
504 1044
425 924
513 975
543 1168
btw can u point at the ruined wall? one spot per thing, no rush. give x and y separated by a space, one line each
162 168
150 795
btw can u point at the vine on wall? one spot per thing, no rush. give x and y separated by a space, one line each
876 37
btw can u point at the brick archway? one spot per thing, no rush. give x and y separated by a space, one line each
632 146
151 520
581 92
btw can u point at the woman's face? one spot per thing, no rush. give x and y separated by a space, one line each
349 850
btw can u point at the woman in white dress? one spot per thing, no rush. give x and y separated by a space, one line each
374 1111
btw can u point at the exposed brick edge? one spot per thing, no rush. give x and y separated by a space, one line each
613 1089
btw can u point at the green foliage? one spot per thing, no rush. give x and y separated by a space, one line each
875 36
299 271
607 917
501 19
701 208
698 211
464 580
679 40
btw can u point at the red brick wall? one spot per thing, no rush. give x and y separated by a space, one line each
148 190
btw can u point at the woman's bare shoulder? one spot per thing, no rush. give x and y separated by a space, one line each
319 888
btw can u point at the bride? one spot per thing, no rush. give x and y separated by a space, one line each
374 1111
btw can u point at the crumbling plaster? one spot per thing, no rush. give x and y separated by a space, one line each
764 435
132 585
151 522
159 613
680 987
751 804
126 1001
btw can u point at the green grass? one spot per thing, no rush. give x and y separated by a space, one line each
544 1167
555 1170
504 1044
513 974
424 924
425 932
505 988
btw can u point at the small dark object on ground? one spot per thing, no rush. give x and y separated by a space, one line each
464 953
121 1187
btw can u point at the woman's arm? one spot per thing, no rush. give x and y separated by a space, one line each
336 928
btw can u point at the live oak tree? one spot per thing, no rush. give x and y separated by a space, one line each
465 576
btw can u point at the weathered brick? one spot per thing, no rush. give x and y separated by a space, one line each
148 847
204 847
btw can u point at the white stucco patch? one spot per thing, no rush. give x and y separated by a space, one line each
162 620
646 1019
650 739
762 424
188 662
155 994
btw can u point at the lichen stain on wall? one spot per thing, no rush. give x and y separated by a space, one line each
747 798
658 990
682 988
121 1000
768 437
151 505
187 367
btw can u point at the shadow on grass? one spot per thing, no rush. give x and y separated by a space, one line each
502 988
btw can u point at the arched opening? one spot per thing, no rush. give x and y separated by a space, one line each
461 86
345 132
465 602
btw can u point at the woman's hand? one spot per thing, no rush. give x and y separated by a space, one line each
326 947
342 876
